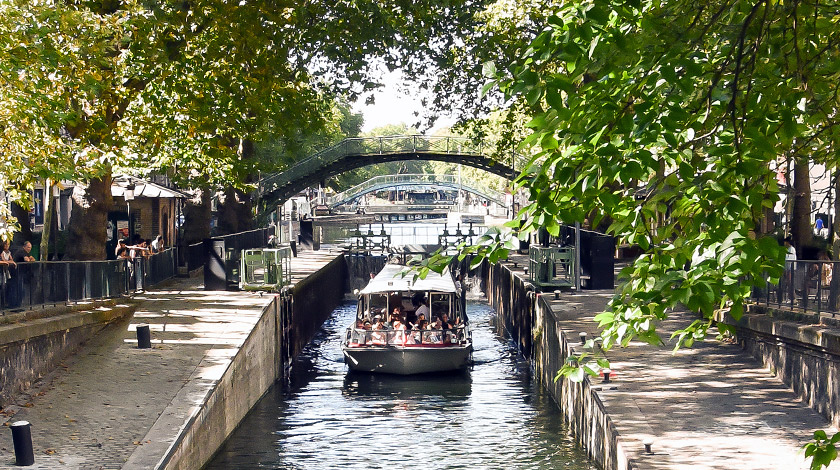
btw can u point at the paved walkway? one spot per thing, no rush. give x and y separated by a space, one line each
97 411
711 406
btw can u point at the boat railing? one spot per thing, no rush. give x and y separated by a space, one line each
360 337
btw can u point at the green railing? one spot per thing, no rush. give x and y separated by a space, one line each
417 144
386 181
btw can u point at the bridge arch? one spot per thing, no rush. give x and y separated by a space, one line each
350 154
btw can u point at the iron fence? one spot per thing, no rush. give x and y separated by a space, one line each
42 283
809 286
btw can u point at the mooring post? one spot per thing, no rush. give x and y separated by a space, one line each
22 439
144 337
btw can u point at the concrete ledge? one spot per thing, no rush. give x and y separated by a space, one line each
32 329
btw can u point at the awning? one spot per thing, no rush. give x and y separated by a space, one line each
143 188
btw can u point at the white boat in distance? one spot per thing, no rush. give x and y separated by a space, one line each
408 327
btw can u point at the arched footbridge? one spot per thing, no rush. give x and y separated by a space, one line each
379 183
353 153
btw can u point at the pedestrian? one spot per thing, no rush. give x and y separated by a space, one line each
23 279
23 255
120 248
157 244
8 265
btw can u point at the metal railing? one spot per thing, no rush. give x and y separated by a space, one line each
386 181
417 144
808 286
41 283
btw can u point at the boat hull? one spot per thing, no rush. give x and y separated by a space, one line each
407 360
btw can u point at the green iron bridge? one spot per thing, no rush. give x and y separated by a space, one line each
350 154
379 183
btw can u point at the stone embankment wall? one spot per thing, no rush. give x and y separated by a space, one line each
538 332
803 350
34 343
287 324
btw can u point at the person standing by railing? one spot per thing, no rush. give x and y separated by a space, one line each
22 272
24 253
8 274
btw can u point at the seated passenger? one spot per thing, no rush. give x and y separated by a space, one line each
378 335
399 332
445 323
434 333
413 336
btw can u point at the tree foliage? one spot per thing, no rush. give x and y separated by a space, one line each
666 117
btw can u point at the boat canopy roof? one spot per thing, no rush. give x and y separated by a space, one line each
390 280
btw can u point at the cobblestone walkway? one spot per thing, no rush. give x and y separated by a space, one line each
94 411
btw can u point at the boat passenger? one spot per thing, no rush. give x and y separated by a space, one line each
378 335
399 332
421 306
434 332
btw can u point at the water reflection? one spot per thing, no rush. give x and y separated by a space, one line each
492 416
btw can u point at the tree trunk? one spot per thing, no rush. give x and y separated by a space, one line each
236 209
86 231
801 217
197 217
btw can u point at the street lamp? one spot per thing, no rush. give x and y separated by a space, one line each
128 195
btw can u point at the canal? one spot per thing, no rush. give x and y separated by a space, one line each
493 416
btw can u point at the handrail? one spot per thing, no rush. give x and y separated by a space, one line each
41 283
384 181
366 146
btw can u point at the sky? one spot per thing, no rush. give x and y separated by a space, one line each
393 106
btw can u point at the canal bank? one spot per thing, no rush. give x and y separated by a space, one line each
712 406
214 354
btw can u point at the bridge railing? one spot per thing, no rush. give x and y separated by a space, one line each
384 181
382 146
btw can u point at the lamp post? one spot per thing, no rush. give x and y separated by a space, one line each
128 195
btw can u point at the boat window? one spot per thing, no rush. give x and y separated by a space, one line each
376 302
440 304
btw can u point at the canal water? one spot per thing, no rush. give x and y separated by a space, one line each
492 416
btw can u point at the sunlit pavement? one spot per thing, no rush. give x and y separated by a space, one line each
111 402
711 406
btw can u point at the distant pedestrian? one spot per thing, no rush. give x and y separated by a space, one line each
158 244
8 265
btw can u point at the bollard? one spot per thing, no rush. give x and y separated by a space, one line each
648 444
607 373
144 337
22 439
557 294
582 337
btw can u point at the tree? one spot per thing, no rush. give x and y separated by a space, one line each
94 88
666 117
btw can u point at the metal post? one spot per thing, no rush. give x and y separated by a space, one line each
144 337
577 256
22 439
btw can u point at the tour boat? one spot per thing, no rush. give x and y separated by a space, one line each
388 335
